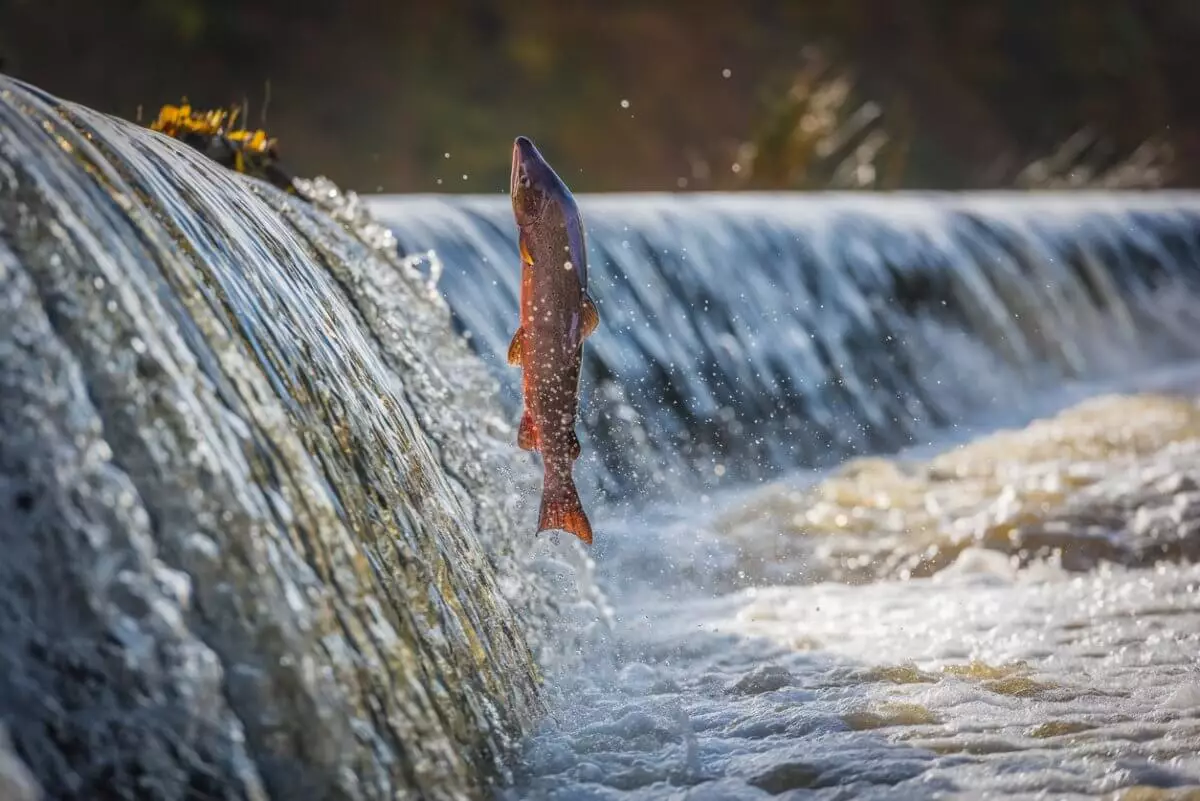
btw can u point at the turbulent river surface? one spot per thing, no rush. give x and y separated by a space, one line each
782 647
931 493
896 496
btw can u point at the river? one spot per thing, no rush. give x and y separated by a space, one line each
895 495
902 493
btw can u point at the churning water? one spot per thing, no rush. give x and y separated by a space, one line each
987 615
267 533
778 645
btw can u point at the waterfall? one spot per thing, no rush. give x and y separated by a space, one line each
259 532
266 530
742 335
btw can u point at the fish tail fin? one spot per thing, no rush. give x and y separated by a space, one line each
562 510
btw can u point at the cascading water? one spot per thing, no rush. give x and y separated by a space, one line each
747 334
1025 620
258 531
267 534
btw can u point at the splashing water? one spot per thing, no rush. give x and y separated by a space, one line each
989 615
268 535
745 334
260 536
1023 666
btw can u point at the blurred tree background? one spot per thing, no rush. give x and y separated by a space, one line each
643 95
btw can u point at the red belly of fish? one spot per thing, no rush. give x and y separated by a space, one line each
550 318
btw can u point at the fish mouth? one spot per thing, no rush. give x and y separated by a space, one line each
526 183
519 179
533 185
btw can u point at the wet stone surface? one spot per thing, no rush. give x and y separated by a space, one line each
267 535
238 563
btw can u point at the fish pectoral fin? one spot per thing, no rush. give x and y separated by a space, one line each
516 347
527 434
575 449
591 317
525 257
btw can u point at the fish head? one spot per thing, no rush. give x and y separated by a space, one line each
542 203
538 194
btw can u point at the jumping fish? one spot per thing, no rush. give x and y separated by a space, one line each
556 316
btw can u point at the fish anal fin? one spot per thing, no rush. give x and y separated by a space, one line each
527 434
591 317
516 347
563 511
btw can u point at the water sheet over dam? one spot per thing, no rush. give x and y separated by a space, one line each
797 614
745 334
255 492
267 534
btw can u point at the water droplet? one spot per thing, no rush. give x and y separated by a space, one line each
624 104
725 73
446 155
736 168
